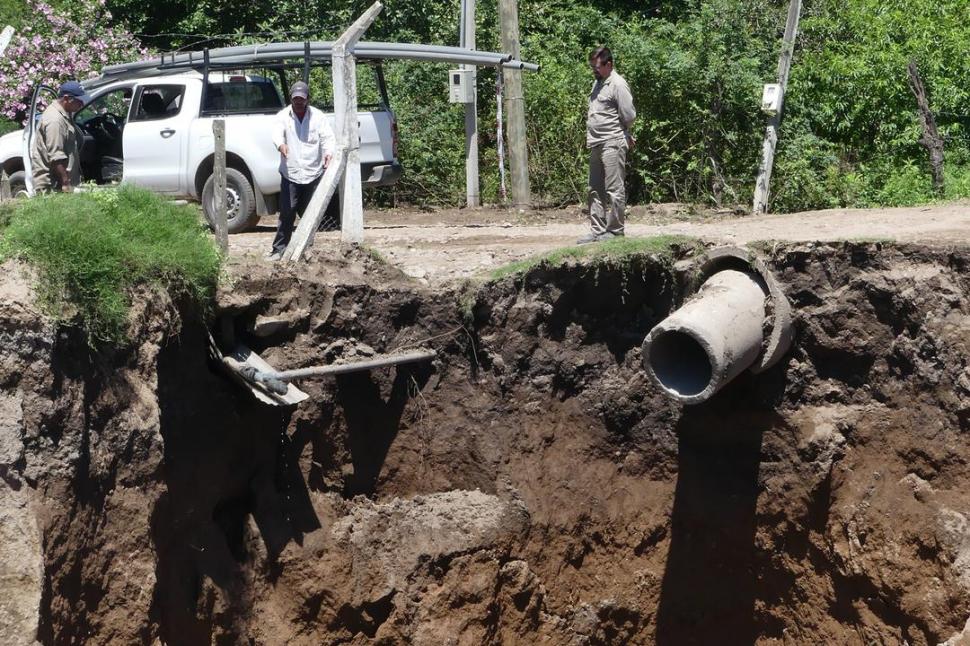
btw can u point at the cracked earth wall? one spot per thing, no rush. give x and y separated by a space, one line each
528 486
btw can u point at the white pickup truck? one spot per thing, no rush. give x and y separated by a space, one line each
155 131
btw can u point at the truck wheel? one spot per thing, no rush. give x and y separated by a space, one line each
240 201
18 184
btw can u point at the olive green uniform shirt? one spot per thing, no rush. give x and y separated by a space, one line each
56 139
611 111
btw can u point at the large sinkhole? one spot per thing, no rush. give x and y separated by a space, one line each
530 485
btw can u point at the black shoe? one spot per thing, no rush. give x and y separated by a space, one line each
608 235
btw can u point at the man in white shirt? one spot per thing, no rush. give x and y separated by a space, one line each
306 143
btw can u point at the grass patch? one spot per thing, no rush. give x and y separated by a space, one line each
610 250
374 254
91 250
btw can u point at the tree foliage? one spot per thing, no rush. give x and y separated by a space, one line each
696 68
53 45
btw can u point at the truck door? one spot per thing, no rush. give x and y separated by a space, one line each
154 138
43 96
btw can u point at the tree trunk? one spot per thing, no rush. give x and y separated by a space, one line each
931 139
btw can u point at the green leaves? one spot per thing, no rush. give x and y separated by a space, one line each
696 68
93 249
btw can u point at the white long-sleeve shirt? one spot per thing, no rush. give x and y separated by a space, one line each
309 141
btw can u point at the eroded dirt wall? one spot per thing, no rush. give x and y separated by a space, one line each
529 486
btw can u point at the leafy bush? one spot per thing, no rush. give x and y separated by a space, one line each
92 249
696 67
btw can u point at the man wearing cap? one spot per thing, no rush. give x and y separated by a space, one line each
55 153
608 137
306 143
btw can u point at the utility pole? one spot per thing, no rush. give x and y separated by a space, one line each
515 106
774 124
467 40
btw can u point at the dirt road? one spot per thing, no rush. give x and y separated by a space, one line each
452 244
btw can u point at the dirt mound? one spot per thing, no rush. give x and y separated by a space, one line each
528 486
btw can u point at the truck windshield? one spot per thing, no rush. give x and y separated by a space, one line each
245 95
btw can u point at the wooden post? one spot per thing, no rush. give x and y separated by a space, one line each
931 139
472 190
221 224
761 189
515 106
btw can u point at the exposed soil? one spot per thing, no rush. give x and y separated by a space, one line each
530 485
440 246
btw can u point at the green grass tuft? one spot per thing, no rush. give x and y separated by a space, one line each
608 251
92 249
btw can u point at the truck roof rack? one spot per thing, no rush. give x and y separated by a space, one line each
284 54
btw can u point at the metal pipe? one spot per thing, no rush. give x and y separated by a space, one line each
432 57
357 366
364 49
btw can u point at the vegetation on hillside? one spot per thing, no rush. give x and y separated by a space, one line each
93 249
696 67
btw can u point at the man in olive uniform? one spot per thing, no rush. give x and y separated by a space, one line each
55 151
608 121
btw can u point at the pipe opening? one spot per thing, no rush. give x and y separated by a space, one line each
680 363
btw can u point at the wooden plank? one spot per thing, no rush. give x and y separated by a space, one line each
221 224
762 186
303 236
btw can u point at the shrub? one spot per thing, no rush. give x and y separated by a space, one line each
54 45
92 249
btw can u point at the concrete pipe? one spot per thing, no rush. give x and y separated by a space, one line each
711 339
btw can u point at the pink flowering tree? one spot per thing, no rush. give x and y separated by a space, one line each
54 45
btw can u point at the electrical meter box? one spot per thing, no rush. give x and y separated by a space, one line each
461 86
771 99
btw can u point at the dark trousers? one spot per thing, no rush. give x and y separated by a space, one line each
294 199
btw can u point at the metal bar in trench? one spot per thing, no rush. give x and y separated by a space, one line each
356 366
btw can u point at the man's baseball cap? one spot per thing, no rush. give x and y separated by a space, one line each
73 89
300 89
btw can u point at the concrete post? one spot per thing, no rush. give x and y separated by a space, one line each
472 189
739 318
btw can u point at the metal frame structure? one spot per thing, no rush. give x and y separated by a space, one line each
268 54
